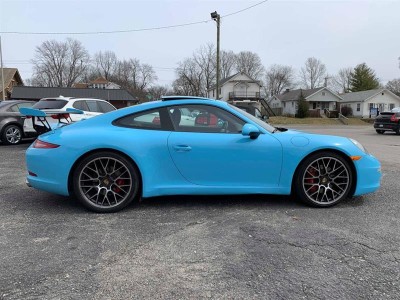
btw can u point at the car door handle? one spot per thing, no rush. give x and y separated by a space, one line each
182 148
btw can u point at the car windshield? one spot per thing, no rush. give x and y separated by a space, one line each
259 122
50 104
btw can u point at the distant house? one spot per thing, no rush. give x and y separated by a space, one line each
12 78
118 97
237 87
98 83
319 100
363 102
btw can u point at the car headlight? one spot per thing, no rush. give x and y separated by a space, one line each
359 146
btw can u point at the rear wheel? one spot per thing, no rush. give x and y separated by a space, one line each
323 179
12 135
380 131
106 182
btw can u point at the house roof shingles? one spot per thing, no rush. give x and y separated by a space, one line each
8 76
360 96
295 94
30 92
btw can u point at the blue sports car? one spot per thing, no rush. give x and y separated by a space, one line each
194 146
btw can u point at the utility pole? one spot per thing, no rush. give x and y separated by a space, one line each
216 17
2 73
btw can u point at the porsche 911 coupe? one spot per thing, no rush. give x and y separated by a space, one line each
194 146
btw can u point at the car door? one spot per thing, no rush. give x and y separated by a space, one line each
213 152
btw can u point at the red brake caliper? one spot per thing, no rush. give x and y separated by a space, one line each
312 172
118 182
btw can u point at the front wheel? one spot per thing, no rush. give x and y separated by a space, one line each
12 135
106 182
323 179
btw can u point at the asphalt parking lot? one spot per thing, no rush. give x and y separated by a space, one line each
242 247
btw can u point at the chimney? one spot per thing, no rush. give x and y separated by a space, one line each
287 91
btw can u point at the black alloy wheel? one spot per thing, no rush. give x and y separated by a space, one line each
106 182
323 179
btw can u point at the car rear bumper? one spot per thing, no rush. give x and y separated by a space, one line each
386 126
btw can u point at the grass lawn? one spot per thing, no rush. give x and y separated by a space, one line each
313 121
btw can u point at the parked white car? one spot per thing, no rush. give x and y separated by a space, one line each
90 108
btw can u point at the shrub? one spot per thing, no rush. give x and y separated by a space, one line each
346 111
302 108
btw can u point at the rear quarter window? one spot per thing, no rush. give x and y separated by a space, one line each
50 104
144 120
106 107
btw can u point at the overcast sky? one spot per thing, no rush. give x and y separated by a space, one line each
339 33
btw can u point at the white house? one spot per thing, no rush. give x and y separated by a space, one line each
363 102
319 99
237 87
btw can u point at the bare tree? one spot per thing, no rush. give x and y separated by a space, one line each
205 58
342 81
394 86
59 64
157 91
190 78
278 78
227 63
313 73
105 63
250 64
133 75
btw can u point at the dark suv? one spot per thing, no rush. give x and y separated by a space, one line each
387 121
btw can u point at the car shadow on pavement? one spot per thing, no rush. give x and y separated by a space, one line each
261 201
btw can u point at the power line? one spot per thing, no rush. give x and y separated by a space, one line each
128 30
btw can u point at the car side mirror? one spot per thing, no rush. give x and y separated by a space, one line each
250 130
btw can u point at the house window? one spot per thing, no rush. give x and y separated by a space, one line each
371 105
323 93
284 104
292 103
391 106
358 106
213 93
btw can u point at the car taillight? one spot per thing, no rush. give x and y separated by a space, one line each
44 145
393 118
60 116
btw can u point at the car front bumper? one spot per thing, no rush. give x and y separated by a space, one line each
369 174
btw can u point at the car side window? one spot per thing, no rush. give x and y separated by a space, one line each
81 104
204 118
105 107
150 119
93 106
25 104
14 108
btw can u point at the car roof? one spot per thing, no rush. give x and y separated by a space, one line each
71 98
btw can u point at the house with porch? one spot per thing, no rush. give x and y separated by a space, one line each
239 86
321 100
367 104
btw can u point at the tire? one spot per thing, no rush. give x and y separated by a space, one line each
380 131
12 135
106 182
323 179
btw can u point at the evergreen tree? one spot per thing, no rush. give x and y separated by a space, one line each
363 78
302 107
